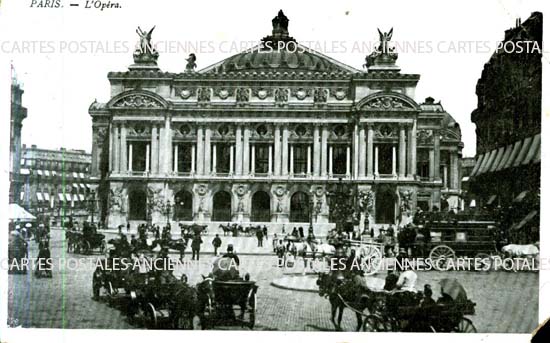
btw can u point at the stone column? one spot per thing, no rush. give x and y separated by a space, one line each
445 177
393 161
413 150
214 159
370 150
232 159
253 160
238 151
147 159
362 152
130 157
207 151
246 151
277 151
402 152
432 164
168 147
330 171
284 167
376 160
324 147
309 159
316 151
437 155
454 170
348 161
355 146
175 158
111 146
200 150
193 162
270 160
123 150
116 149
154 150
291 169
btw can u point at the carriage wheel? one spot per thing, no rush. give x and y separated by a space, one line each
151 318
252 308
440 256
484 257
373 323
103 247
372 257
465 325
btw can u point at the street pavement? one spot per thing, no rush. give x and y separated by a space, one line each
506 301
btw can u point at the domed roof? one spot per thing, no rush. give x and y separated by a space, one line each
299 59
279 52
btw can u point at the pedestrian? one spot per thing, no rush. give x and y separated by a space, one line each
275 242
44 265
216 242
301 232
128 227
120 229
259 236
196 246
265 231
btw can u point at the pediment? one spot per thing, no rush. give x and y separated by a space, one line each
138 100
387 102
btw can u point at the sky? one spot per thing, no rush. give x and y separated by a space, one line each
62 55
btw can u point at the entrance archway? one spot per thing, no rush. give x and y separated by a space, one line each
385 206
138 205
261 205
183 208
221 207
299 207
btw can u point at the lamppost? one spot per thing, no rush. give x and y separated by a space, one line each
92 204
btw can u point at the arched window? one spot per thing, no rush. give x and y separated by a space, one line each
261 204
138 205
183 207
299 207
221 211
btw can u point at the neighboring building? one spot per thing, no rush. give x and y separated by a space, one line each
261 135
18 113
56 182
508 121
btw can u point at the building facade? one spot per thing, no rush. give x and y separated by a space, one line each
508 127
18 114
262 135
55 183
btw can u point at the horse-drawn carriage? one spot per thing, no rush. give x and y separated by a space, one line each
228 299
443 241
79 242
418 312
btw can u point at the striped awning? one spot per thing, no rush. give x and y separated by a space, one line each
520 153
24 171
47 173
54 173
520 196
46 196
68 196
75 185
61 197
82 185
39 172
81 175
525 220
81 197
39 196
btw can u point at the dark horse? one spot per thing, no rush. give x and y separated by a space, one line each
350 291
189 302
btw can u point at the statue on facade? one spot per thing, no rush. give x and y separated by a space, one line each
280 23
406 198
191 62
145 53
115 200
383 53
240 206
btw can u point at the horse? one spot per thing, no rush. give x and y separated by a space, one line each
349 292
190 301
226 229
